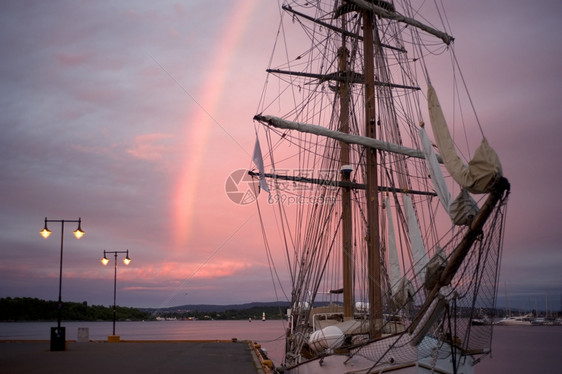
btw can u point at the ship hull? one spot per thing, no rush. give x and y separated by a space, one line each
430 356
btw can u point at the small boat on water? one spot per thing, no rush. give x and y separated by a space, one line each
383 262
540 321
482 321
516 320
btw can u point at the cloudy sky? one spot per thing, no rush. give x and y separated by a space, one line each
132 116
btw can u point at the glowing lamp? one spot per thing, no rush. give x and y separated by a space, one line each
45 232
78 233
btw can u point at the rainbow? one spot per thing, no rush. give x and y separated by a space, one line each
199 125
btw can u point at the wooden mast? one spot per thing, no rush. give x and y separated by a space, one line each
373 242
347 241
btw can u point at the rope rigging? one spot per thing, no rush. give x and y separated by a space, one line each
309 216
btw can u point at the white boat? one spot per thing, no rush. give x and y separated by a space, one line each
480 321
515 321
385 267
540 321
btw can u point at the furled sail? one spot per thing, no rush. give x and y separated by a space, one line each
401 288
258 161
435 170
347 138
394 272
484 168
418 249
461 210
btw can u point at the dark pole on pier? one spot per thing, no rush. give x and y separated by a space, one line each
105 261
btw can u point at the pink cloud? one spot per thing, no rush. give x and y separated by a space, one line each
71 60
173 271
186 271
147 147
179 9
98 96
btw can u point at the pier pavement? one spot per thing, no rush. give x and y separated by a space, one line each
26 356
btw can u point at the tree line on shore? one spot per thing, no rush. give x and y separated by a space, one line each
33 309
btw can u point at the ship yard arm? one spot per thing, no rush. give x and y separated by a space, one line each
393 15
335 28
348 138
336 183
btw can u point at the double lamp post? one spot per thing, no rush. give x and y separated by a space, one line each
105 261
58 334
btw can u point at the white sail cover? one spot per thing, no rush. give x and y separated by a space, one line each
401 288
418 249
258 161
463 208
394 265
435 170
281 123
484 168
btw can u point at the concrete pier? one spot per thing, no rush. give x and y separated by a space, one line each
130 357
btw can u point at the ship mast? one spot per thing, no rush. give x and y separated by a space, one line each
371 181
347 255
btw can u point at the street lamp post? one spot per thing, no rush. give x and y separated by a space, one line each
105 261
58 335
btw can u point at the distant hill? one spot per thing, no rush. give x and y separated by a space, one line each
32 309
218 308
272 310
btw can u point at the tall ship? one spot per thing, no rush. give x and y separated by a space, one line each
386 200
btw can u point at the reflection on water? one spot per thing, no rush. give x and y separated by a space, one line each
515 349
524 349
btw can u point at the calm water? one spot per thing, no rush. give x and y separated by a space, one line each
516 349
